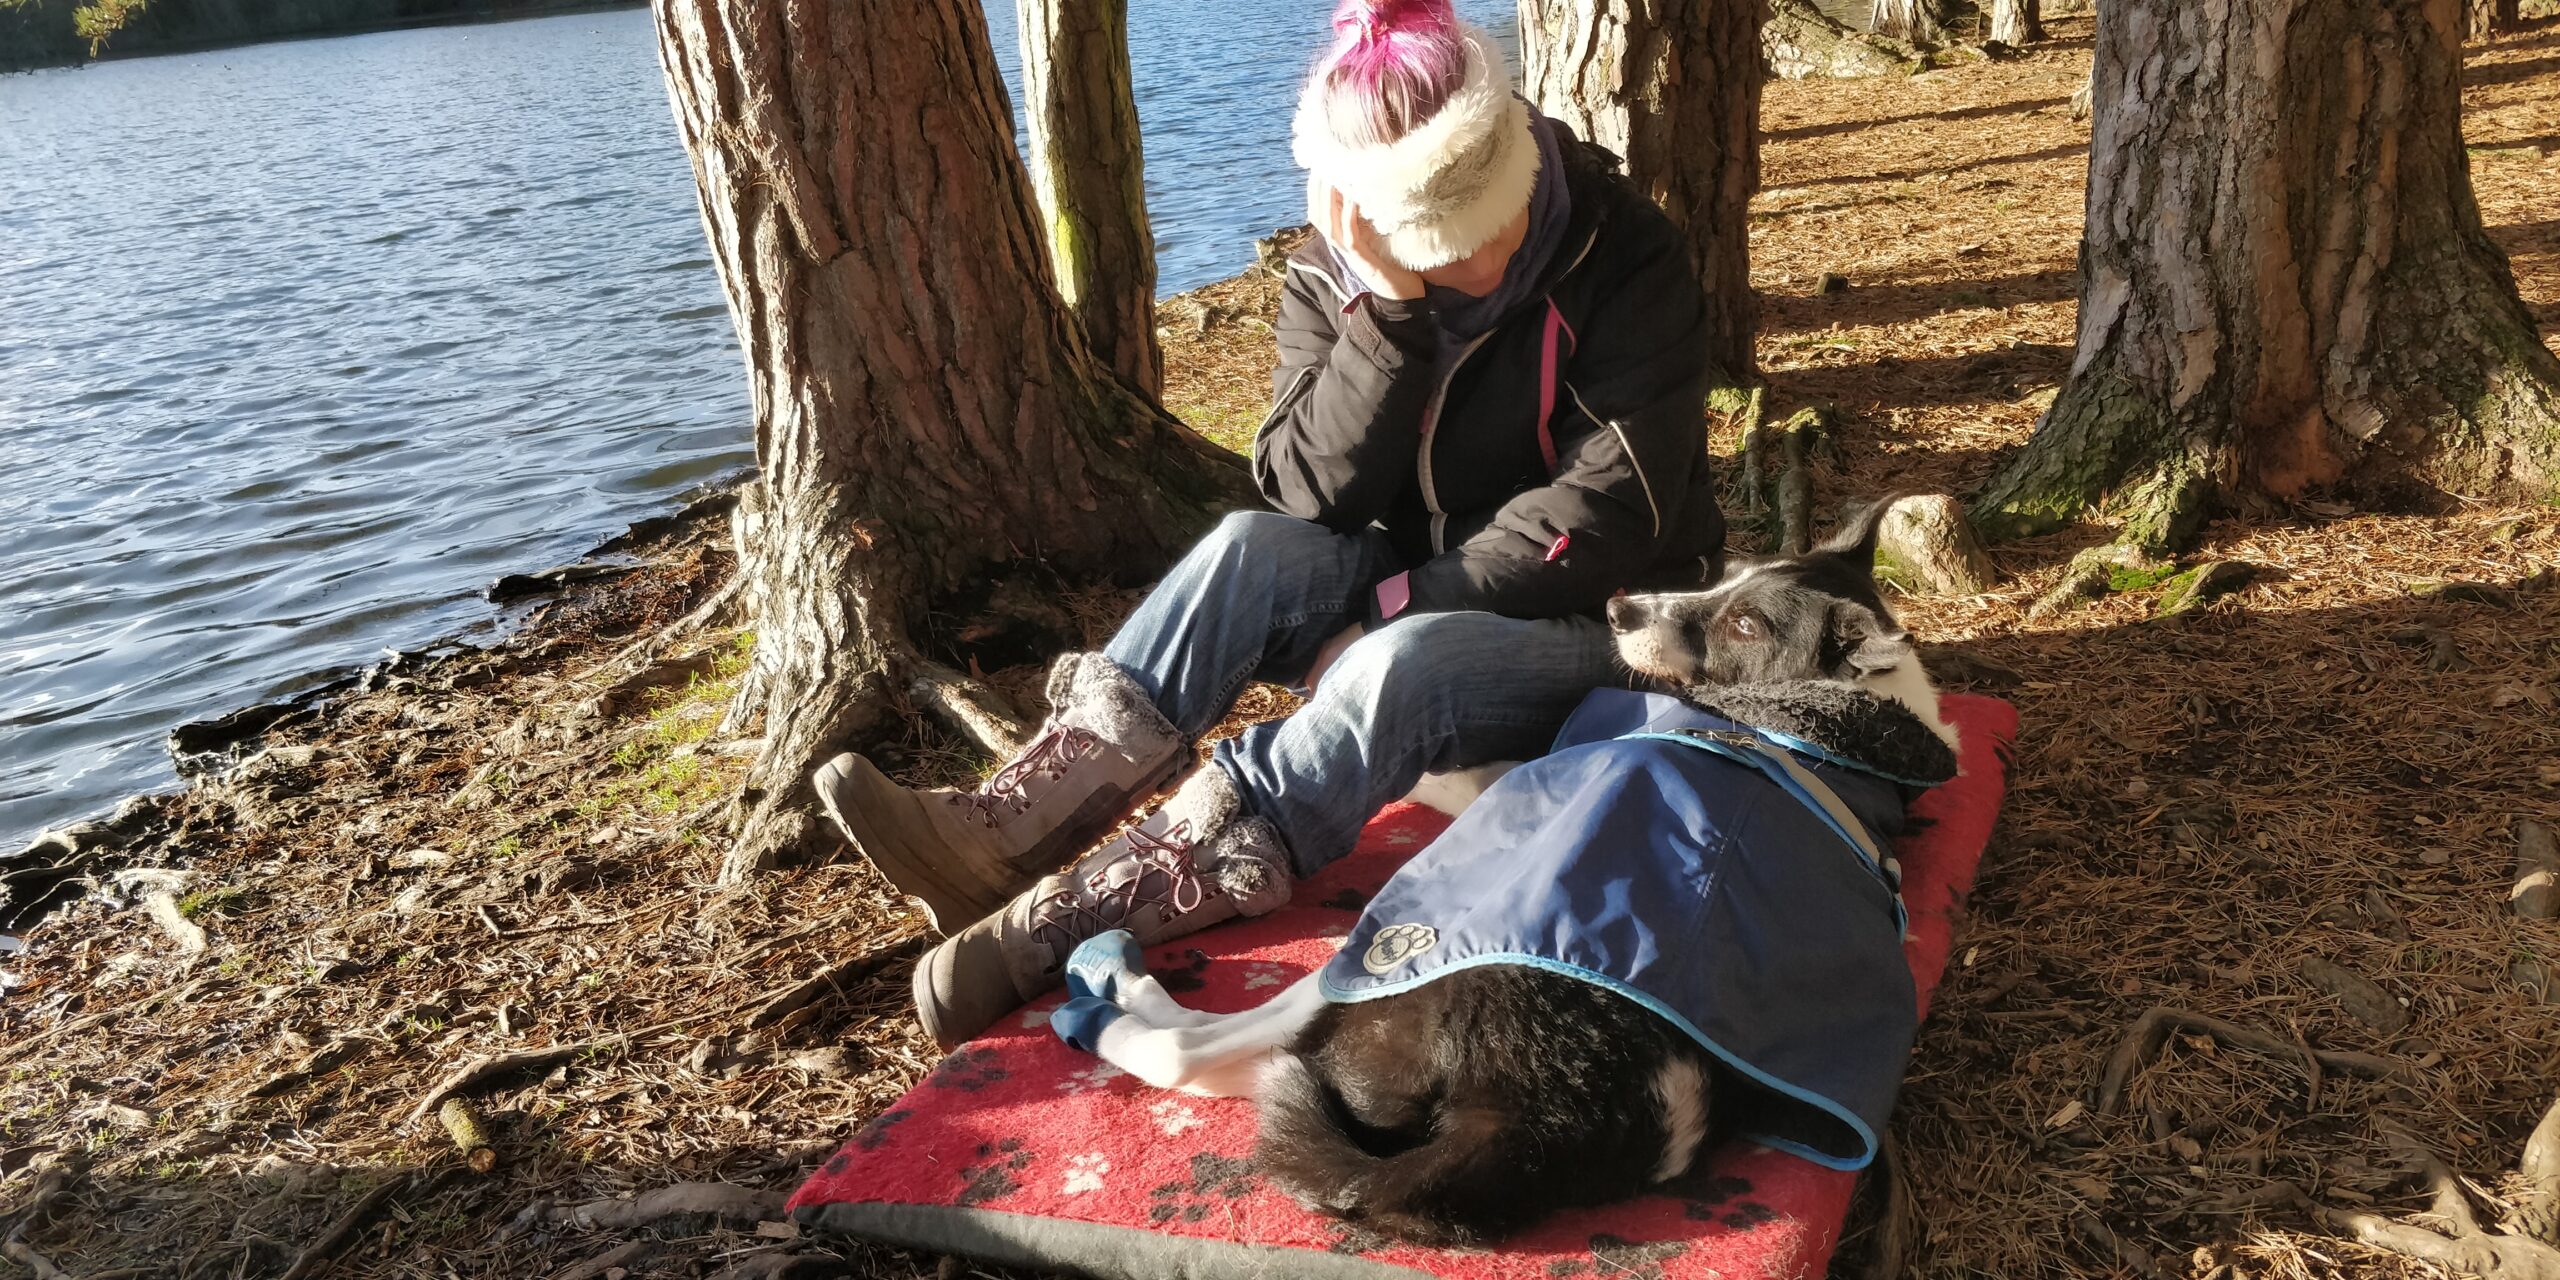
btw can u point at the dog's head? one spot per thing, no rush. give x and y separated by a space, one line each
1815 616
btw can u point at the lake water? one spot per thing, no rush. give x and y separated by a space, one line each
302 344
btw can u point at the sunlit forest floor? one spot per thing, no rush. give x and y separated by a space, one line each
227 1048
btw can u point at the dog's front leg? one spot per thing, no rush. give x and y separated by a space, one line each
1220 1055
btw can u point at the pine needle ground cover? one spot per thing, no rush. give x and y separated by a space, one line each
2286 820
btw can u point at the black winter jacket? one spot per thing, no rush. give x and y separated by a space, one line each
1373 424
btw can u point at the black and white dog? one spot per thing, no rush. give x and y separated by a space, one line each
1679 924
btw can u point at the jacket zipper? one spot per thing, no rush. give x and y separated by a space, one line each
1431 410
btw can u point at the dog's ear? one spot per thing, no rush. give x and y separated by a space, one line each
1868 644
1855 539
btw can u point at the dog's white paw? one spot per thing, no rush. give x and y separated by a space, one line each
1452 792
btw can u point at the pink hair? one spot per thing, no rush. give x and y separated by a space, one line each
1392 66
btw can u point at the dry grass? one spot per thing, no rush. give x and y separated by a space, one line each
2200 806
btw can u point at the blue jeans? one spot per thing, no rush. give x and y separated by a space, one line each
1260 596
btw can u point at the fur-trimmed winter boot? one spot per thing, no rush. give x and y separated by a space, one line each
1200 860
1103 751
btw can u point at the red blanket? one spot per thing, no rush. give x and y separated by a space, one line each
1020 1150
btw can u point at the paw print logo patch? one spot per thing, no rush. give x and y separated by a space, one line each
1396 944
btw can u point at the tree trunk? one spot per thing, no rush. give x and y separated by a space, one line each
1090 174
925 407
2486 17
2017 22
2284 282
1918 21
1674 87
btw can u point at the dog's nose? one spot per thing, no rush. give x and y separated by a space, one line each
1625 615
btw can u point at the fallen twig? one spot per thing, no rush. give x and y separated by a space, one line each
2153 1028
557 925
491 1066
834 977
462 1124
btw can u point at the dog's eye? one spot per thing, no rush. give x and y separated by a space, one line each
1743 625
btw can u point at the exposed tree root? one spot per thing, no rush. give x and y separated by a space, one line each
782 1266
2152 1031
2536 894
162 907
622 1256
2470 1248
1754 477
315 1257
711 611
2538 1211
2115 1248
51 1187
324 1059
721 1200
1796 437
1927 543
1801 42
981 713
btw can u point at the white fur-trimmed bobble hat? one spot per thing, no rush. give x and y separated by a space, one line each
1444 189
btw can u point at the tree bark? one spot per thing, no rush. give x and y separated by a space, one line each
2285 286
2486 17
1090 173
1801 42
926 409
1918 21
2017 22
1674 87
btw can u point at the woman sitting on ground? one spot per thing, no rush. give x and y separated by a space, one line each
1487 421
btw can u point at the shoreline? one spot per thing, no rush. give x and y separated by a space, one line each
201 748
223 1044
469 18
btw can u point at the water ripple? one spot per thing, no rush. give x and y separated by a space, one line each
305 342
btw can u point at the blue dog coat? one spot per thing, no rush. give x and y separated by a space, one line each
1667 853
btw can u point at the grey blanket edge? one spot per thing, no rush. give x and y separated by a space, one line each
1085 1248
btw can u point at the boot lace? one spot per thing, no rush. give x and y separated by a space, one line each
1008 792
1165 878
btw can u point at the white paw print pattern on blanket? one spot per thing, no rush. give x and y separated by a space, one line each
1097 1076
1084 1173
1174 1118
1034 1019
1263 973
